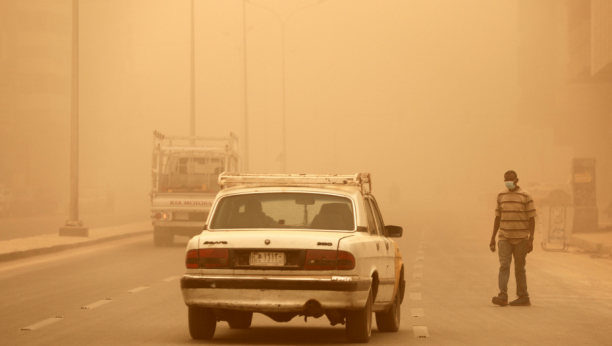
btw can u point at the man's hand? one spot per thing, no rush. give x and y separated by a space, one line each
492 245
529 245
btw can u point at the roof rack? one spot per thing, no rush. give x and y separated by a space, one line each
361 180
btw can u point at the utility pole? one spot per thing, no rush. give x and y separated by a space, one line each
283 22
246 109
192 101
74 227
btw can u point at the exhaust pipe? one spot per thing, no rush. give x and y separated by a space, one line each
314 308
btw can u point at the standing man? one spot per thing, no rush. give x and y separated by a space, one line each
515 220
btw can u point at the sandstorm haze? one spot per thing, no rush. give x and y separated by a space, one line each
437 99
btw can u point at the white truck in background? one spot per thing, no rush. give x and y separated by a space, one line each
185 174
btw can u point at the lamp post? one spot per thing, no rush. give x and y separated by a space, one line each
192 100
245 86
74 227
283 22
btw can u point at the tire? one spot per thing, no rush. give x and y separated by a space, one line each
241 320
202 323
359 323
162 237
389 321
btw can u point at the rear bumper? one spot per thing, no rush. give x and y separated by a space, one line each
186 228
274 294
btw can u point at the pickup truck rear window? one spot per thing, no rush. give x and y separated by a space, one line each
284 210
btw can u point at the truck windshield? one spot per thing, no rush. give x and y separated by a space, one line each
284 210
192 173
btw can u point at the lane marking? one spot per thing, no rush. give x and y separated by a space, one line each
171 278
137 289
43 323
96 304
418 266
417 275
420 331
420 258
417 312
415 295
415 285
420 252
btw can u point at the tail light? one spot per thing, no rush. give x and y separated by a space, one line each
329 260
162 216
207 258
346 260
191 260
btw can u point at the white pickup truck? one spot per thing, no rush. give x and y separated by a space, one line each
185 174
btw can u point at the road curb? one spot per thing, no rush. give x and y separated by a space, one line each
591 246
16 255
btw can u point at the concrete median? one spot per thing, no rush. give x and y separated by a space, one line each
15 249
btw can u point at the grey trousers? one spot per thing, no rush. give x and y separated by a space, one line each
506 251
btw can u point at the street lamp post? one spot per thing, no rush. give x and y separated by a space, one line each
74 227
283 22
245 160
192 100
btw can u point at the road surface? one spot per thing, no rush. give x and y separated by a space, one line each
127 292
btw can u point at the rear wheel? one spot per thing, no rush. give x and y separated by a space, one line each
162 237
359 323
389 321
202 323
240 320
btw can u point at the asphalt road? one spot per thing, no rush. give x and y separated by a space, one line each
451 277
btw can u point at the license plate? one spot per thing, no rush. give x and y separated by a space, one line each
181 216
267 259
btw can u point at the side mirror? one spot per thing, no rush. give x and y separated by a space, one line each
394 231
205 228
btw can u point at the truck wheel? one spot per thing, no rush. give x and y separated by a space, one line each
162 236
359 323
202 323
241 320
389 321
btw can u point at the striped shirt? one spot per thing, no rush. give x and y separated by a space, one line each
514 208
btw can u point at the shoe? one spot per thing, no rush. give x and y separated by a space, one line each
521 301
500 301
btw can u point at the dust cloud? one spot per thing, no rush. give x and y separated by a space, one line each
437 99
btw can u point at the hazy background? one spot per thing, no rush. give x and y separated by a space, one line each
437 99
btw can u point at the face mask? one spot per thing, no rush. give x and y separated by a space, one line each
509 185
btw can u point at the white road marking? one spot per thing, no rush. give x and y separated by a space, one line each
96 304
171 278
415 285
420 258
417 312
418 266
417 275
415 295
43 323
137 289
420 252
420 331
